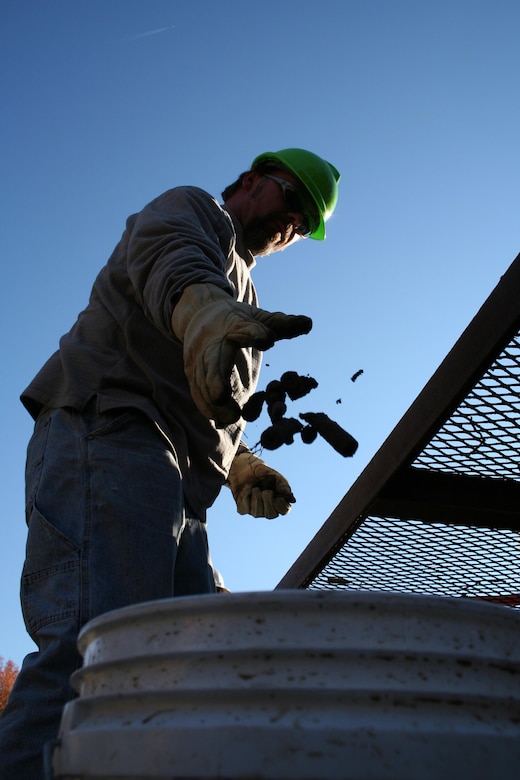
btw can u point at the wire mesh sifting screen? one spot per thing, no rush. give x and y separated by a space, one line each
481 438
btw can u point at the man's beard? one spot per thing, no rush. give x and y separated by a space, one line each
262 237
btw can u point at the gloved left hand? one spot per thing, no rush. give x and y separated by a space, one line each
213 327
258 489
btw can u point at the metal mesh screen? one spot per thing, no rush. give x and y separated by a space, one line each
481 438
416 557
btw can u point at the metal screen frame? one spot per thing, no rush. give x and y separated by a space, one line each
452 463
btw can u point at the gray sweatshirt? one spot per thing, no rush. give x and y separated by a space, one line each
122 352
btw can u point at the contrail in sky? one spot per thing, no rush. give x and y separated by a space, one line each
150 32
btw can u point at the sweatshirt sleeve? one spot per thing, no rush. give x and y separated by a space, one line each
181 238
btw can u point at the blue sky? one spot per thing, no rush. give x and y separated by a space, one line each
107 103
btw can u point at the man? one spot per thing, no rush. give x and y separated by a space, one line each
138 421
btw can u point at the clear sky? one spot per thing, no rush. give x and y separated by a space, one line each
108 103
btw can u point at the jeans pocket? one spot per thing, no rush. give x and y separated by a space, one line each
109 422
50 588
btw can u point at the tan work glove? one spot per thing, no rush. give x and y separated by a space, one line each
212 327
258 489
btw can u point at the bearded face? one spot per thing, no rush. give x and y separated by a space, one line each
269 232
265 235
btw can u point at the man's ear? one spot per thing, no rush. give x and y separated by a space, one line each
249 180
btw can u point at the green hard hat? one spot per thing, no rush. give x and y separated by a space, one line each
319 177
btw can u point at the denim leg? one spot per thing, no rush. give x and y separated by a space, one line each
106 520
193 569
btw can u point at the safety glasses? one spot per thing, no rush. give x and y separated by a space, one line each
294 203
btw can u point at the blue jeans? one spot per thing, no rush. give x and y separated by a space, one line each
108 527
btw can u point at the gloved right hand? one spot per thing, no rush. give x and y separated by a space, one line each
212 327
257 488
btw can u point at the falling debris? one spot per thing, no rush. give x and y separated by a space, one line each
253 407
281 432
333 433
297 386
283 429
337 580
290 384
308 434
356 375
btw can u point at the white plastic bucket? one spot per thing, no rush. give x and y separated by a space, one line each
297 684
